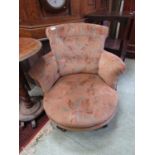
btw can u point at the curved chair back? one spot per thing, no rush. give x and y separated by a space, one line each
77 46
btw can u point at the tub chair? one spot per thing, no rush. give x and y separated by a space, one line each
78 77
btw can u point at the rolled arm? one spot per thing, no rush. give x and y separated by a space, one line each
110 67
45 71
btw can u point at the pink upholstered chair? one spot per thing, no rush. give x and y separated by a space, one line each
78 77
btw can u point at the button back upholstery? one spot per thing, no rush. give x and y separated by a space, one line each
77 47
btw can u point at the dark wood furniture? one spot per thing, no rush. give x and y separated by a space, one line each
29 109
35 15
117 46
129 6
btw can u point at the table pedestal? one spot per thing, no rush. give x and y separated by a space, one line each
29 108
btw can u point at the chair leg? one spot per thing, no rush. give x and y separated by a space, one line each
55 126
64 130
105 126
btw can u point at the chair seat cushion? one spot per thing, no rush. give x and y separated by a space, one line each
80 101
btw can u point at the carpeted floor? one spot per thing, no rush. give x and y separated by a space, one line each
28 133
116 139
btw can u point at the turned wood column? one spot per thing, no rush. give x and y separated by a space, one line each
23 93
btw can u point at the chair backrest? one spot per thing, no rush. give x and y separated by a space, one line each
77 46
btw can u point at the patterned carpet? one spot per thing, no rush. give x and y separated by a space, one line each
27 133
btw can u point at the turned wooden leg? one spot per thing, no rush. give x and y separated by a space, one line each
23 93
29 109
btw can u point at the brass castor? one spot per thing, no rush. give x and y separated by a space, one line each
33 124
29 114
22 124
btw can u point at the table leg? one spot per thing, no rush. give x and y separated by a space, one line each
29 109
23 92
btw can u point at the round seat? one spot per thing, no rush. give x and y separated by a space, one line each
80 101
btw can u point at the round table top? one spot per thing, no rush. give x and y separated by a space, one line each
28 47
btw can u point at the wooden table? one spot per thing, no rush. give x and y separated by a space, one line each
28 109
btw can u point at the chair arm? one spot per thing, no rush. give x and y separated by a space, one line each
110 67
45 71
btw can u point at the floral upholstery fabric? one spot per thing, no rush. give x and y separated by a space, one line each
110 67
80 100
77 47
78 77
45 72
